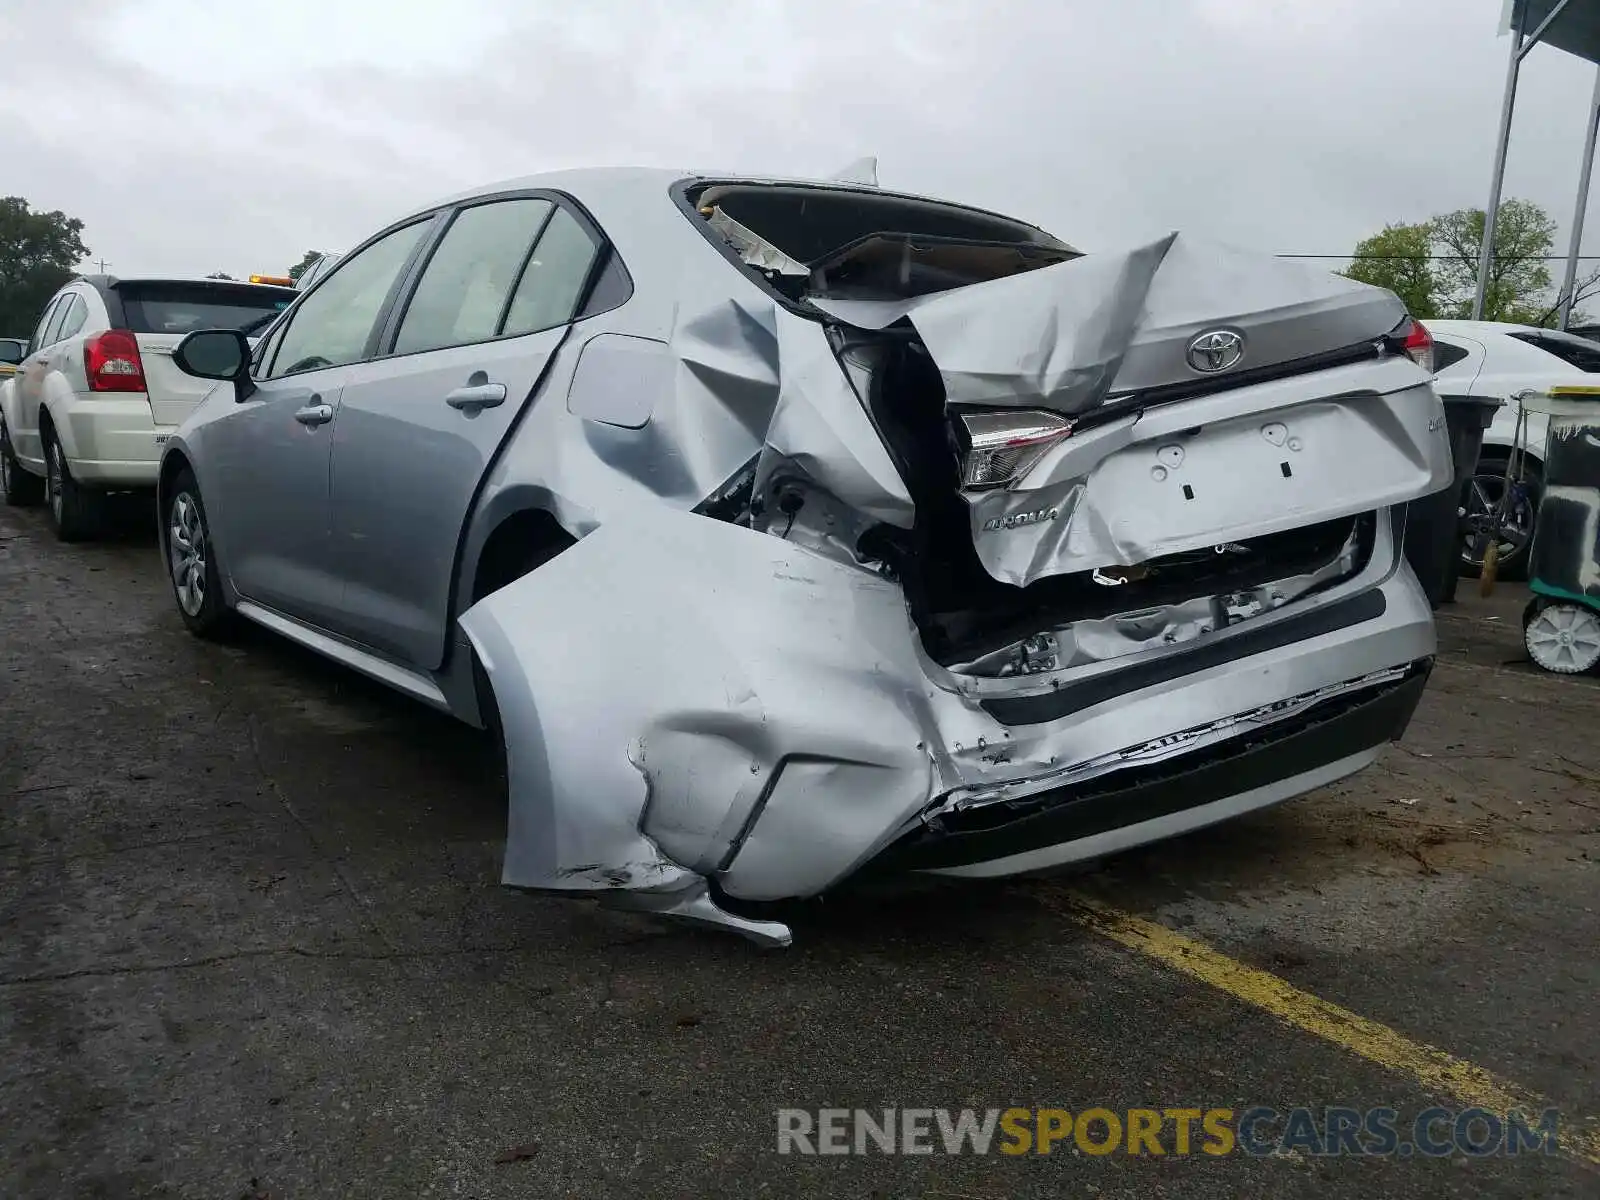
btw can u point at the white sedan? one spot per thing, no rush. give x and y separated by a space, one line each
1497 359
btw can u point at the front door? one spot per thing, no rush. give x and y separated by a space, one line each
419 428
268 455
268 464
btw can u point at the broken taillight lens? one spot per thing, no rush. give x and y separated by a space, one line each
1001 446
1412 339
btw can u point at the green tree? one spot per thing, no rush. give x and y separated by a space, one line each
38 251
1519 273
304 265
1433 265
1398 258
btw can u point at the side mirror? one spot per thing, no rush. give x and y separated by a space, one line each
12 351
221 354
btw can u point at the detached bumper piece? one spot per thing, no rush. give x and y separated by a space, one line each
1335 730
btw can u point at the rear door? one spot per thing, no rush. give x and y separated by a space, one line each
161 312
30 377
419 426
266 485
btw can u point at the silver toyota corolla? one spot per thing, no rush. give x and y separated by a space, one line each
789 531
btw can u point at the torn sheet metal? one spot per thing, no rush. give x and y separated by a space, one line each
754 249
1158 627
1066 337
821 433
1051 338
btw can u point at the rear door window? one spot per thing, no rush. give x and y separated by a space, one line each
178 307
468 282
552 284
52 333
77 313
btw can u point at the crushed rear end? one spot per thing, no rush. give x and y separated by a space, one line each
1042 556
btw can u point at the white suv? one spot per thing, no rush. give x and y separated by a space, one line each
1491 359
96 395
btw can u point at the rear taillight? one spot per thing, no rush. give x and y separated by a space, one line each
1412 339
111 362
1001 446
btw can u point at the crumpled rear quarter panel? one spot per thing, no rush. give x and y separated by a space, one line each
656 679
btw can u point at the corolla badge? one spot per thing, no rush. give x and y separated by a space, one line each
1014 520
1216 350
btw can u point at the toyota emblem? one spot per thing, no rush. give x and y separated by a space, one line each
1216 350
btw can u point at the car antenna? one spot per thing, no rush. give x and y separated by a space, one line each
863 171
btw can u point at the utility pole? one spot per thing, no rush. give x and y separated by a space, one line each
100 265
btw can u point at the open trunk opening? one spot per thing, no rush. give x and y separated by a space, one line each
973 623
810 242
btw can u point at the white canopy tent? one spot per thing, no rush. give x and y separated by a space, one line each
1572 26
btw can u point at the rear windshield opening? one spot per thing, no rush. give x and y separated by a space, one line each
184 307
815 242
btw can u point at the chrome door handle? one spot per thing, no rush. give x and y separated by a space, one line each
314 414
476 396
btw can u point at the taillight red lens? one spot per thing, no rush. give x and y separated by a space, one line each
1419 345
111 362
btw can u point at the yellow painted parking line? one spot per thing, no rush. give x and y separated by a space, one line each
1433 1068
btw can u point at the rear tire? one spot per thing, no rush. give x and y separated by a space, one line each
19 488
75 510
191 565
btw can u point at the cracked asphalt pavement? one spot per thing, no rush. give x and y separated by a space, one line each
254 946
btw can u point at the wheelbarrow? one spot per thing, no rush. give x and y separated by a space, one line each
1561 624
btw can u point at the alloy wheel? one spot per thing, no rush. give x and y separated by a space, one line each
53 472
1483 494
186 553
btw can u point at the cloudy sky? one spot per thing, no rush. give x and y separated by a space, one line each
201 135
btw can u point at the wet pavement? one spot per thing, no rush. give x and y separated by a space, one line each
254 946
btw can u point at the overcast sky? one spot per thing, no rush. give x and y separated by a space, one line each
200 135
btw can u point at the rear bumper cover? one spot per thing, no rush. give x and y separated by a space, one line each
110 440
1147 804
767 723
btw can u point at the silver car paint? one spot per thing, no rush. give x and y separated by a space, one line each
687 700
792 727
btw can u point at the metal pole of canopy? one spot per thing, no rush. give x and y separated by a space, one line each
1491 211
1550 19
1569 282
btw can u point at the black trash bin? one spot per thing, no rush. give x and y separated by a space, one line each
1433 523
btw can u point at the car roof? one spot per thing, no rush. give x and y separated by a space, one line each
614 186
1479 328
112 281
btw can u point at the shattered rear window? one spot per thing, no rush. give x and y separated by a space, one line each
816 242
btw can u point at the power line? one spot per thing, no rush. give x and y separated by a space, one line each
1442 257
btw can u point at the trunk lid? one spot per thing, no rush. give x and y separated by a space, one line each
160 313
1177 397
